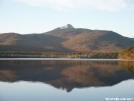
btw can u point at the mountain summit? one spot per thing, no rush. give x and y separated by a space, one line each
68 26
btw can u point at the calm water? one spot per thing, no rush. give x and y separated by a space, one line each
65 79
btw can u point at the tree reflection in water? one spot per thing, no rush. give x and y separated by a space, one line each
67 75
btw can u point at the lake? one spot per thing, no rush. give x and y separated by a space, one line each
42 79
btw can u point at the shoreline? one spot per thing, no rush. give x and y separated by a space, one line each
61 59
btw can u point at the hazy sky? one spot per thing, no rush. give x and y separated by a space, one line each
37 16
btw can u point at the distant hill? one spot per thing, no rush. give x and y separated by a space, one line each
66 38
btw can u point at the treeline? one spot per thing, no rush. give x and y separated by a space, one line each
127 53
104 55
31 54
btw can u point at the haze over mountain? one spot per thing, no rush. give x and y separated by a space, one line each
66 38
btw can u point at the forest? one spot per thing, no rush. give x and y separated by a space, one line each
33 54
127 53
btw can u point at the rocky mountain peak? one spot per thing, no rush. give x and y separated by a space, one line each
67 26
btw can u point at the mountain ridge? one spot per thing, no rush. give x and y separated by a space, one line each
66 39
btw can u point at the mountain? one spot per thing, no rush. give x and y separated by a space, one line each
66 38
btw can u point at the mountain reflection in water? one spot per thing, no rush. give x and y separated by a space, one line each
67 75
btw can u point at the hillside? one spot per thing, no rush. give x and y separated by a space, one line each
66 38
127 53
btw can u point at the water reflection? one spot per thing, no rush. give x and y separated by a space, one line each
67 75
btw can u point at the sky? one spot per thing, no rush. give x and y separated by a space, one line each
37 16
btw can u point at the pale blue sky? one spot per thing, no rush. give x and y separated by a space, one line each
37 16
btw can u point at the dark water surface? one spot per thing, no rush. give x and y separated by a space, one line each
65 79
